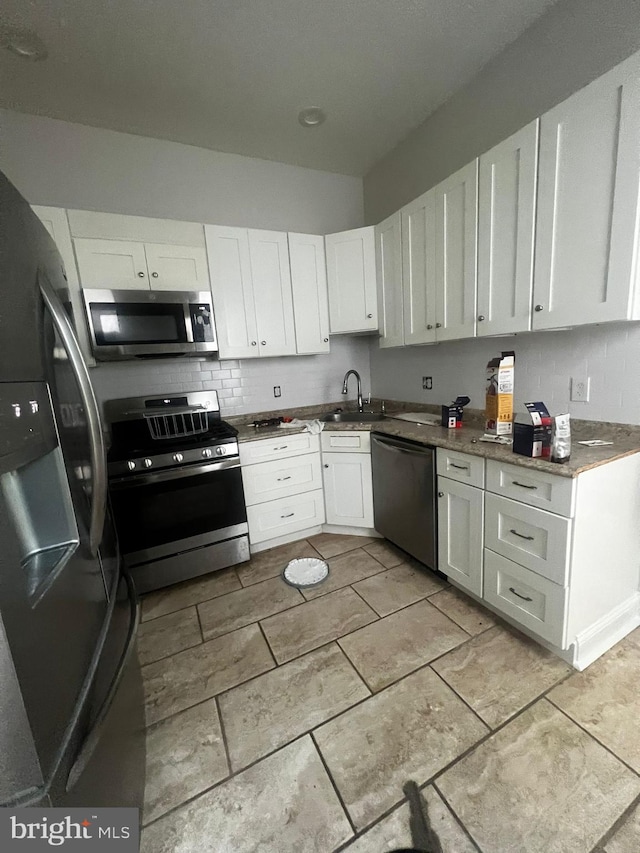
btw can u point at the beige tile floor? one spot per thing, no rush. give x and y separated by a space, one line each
285 721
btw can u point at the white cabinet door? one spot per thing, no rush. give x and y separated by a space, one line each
506 222
232 288
587 216
389 273
348 489
309 287
55 221
111 264
456 233
269 254
351 279
177 267
460 533
419 269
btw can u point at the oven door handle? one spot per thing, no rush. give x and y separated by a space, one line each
174 473
92 412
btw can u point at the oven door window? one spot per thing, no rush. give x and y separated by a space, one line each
153 514
135 323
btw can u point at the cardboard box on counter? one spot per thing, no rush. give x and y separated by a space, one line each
499 394
532 431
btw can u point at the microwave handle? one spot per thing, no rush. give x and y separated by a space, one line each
92 412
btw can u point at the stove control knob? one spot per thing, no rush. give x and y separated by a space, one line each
147 463
178 457
131 465
207 453
220 451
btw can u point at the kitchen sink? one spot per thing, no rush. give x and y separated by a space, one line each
353 417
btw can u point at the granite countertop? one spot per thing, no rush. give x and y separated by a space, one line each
625 437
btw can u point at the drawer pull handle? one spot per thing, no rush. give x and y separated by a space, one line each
288 515
460 467
281 479
521 535
523 597
284 447
523 485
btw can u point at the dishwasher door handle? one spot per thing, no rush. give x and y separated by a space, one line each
394 447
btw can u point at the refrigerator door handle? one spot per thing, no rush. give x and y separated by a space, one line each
92 739
96 438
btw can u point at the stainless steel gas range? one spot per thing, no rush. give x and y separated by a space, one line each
175 487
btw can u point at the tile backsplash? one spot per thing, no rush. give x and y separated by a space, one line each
545 362
243 386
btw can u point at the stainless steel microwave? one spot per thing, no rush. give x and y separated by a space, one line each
145 323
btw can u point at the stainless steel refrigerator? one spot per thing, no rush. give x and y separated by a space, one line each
71 710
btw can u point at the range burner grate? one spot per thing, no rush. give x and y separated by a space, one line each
180 424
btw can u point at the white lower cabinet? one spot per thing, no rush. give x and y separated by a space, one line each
460 533
347 480
570 576
282 486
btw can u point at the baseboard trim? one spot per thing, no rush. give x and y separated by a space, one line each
284 540
350 531
606 632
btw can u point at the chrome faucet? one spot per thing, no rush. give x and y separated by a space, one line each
345 390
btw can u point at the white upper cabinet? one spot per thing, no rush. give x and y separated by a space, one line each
309 287
351 279
55 221
177 267
269 255
232 289
389 272
506 224
251 286
587 218
419 269
456 201
112 264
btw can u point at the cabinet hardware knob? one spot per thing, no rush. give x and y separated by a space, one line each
254 343
326 466
523 597
440 494
326 340
429 326
140 274
263 343
539 308
369 316
521 535
438 325
154 275
481 317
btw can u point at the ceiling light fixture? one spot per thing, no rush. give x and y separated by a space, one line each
24 43
311 117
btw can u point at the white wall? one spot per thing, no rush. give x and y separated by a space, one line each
545 361
69 165
243 386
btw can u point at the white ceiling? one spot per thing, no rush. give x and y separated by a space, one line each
232 75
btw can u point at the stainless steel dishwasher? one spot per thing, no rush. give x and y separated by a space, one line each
404 489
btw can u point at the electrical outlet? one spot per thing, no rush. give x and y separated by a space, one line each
276 391
580 388
427 383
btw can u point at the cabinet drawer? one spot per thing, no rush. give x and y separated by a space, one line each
526 597
536 488
282 447
349 441
533 538
460 466
286 515
280 478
